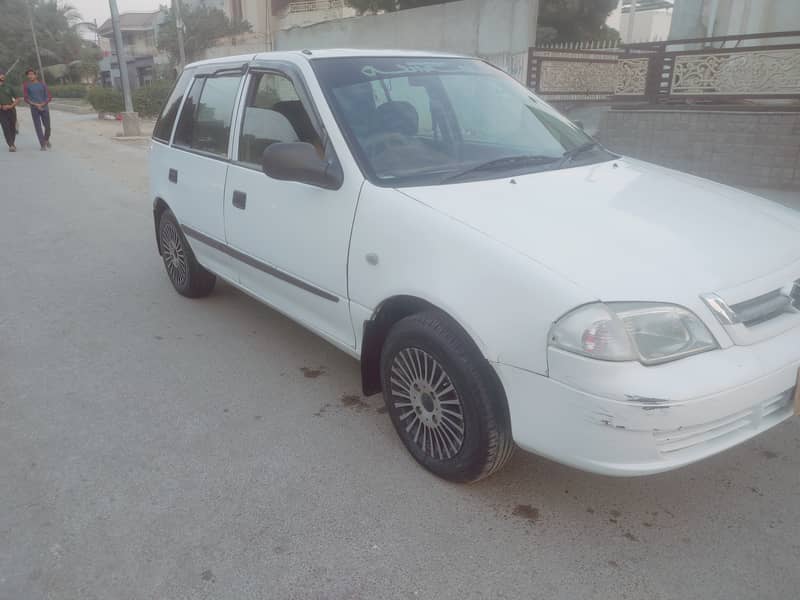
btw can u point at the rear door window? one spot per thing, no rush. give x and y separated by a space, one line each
205 123
166 119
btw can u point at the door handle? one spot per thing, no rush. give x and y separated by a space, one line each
173 175
239 199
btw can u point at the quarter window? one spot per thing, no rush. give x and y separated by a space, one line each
166 120
183 131
273 113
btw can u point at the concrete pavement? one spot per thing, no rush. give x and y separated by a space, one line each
154 447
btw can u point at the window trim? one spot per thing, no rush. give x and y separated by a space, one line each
172 142
249 79
168 141
293 73
204 76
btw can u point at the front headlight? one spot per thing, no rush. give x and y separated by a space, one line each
621 331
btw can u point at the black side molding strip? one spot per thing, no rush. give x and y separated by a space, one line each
257 264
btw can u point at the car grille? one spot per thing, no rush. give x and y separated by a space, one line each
727 430
756 310
767 307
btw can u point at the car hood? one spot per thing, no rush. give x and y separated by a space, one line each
628 230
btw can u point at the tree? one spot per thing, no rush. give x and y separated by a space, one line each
374 6
202 26
577 20
58 42
88 68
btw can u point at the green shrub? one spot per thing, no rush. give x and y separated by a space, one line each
73 90
147 101
106 100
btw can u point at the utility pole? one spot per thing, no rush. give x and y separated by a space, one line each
179 28
268 24
35 41
130 120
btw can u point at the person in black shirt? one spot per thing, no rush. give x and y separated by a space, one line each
8 112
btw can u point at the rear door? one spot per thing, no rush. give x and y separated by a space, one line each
198 165
160 152
295 236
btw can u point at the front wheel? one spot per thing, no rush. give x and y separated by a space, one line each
188 277
444 400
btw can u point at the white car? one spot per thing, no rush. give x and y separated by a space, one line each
503 279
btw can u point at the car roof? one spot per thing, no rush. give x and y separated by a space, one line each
294 55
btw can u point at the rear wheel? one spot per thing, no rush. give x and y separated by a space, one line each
444 400
188 277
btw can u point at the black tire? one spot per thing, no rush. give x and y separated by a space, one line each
417 351
188 277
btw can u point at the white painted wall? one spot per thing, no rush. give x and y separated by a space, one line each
757 16
195 4
307 12
648 26
498 30
691 17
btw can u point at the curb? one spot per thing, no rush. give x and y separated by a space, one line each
71 108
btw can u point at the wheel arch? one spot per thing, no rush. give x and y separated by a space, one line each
376 330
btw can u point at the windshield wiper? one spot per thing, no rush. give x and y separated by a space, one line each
570 155
506 162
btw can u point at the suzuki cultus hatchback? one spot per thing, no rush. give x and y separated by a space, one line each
503 278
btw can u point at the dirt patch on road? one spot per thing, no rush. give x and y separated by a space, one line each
311 373
526 511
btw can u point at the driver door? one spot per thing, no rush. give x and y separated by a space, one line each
293 237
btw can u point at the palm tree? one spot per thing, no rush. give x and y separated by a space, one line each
53 23
59 43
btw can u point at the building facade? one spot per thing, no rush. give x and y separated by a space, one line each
87 30
140 37
650 22
285 13
705 18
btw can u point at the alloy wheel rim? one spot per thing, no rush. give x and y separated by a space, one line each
174 254
427 403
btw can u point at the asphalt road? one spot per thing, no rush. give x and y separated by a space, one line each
154 447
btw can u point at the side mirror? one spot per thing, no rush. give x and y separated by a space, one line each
300 161
579 124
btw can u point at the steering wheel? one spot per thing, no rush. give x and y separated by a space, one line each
378 143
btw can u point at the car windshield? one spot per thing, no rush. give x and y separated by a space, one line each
412 121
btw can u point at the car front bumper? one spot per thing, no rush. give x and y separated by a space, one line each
626 419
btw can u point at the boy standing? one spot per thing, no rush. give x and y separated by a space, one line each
37 95
8 112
